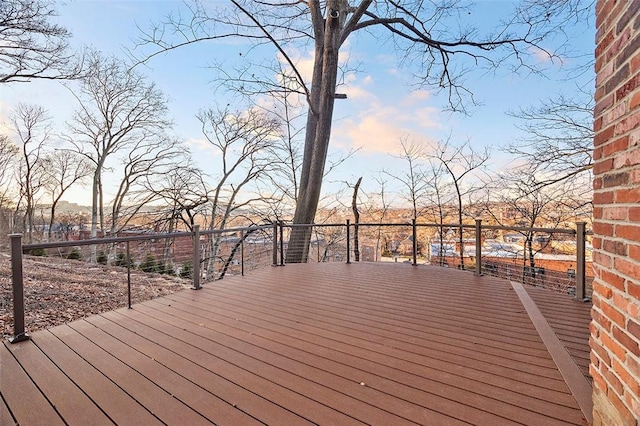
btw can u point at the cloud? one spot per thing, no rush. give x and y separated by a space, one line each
546 56
199 143
5 112
379 126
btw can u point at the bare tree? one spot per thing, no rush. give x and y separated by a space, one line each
32 45
529 204
439 196
62 169
118 111
241 141
8 157
558 144
184 194
33 130
147 159
413 179
425 36
459 162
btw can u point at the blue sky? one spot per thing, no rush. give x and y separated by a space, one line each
382 106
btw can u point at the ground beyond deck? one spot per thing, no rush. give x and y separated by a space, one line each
335 344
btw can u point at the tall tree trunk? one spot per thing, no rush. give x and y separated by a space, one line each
318 130
356 220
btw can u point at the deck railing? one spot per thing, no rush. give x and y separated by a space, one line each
212 254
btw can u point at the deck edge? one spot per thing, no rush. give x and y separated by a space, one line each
573 376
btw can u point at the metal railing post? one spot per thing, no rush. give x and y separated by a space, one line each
281 243
478 247
275 244
580 261
196 257
415 241
17 280
128 260
242 253
348 241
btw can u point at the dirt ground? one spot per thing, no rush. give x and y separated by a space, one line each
58 291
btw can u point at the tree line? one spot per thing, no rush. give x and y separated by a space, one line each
272 156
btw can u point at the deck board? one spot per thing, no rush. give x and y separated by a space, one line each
27 404
570 320
64 395
307 344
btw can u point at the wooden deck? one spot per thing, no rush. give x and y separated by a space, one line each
336 344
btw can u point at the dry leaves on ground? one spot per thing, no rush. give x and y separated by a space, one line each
58 291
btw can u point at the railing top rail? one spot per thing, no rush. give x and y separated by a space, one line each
140 237
244 228
445 225
527 229
111 240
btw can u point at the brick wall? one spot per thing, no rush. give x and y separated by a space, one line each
615 331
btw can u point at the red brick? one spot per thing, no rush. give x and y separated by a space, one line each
615 179
598 97
604 43
597 153
633 289
611 312
613 381
634 366
603 9
600 61
628 123
634 214
634 328
597 182
594 359
603 166
596 242
627 51
603 259
621 75
616 281
629 232
634 177
598 380
614 213
635 63
615 247
603 103
629 158
629 13
634 252
605 197
627 88
631 269
628 196
613 347
600 228
635 101
618 145
601 319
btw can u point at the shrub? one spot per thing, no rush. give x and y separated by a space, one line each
123 260
74 254
149 264
187 270
102 258
37 252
